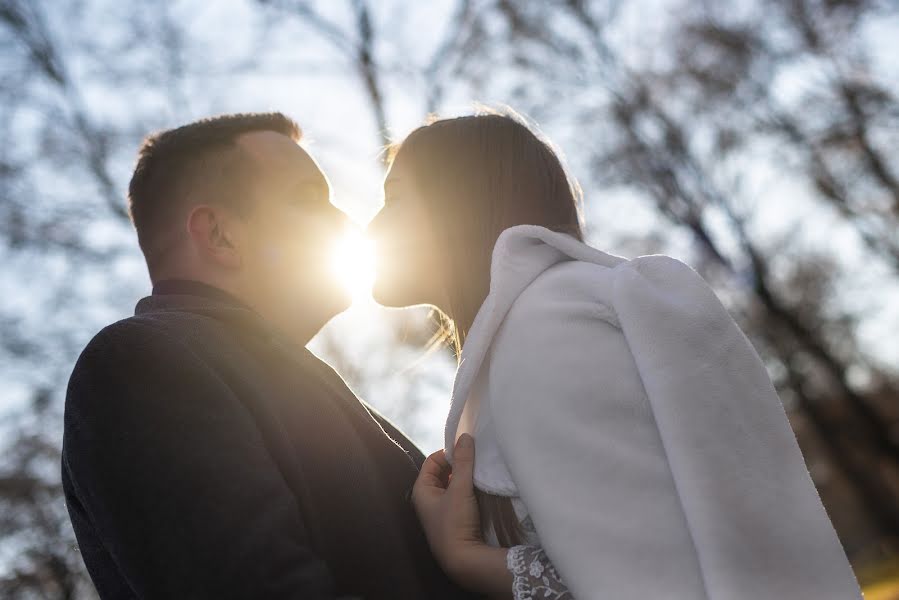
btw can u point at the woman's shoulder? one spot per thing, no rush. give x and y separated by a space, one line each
576 275
566 289
658 275
579 292
657 282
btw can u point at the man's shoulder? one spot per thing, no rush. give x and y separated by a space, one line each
124 346
173 328
125 335
133 367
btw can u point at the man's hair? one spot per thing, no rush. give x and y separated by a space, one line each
198 162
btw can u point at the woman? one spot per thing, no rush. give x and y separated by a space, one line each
629 441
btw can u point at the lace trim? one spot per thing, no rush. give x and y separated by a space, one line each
533 575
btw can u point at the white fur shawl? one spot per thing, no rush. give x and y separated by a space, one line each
622 405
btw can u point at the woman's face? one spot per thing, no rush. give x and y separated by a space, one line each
408 265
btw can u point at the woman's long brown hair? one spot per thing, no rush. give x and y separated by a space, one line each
479 175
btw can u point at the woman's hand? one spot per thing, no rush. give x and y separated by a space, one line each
446 505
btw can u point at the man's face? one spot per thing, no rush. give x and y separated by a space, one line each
287 239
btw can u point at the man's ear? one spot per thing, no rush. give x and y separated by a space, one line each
209 228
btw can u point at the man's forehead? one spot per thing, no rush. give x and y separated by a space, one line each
274 151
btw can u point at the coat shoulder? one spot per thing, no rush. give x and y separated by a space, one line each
115 355
125 335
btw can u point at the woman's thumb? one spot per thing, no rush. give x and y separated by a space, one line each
463 464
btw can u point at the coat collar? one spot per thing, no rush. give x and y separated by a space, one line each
196 297
191 287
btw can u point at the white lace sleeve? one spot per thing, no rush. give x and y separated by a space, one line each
533 576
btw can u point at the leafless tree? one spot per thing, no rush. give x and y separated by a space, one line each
683 120
712 117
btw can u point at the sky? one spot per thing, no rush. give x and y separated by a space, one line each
305 78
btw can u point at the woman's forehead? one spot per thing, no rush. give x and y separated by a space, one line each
396 173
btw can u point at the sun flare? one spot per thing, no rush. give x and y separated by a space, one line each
353 263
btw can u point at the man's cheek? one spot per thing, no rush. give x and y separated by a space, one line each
271 255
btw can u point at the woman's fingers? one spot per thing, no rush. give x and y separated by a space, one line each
463 465
434 471
448 512
440 458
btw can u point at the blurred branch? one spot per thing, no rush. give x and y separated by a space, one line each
653 121
355 42
28 26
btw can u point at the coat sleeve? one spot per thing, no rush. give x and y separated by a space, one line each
176 478
757 523
575 431
652 450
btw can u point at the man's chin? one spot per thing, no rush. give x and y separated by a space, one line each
390 297
318 311
338 302
383 296
345 301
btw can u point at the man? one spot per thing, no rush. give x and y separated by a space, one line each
207 453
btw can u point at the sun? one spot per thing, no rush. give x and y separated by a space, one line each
353 264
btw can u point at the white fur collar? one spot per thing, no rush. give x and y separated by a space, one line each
520 255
